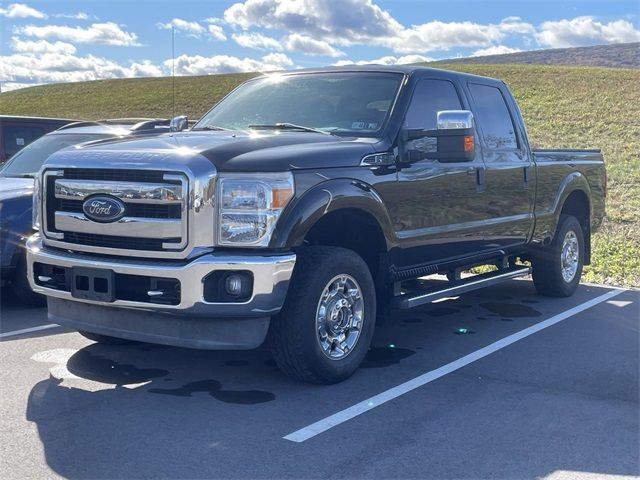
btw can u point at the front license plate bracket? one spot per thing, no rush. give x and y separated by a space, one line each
93 284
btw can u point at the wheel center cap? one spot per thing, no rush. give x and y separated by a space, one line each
339 315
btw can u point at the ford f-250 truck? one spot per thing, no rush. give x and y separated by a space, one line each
302 207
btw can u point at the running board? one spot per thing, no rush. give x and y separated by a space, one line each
414 299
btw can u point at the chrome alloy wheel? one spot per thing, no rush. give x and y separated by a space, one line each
569 257
339 316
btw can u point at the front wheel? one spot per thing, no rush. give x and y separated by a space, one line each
325 327
557 269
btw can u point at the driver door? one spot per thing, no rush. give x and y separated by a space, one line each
440 207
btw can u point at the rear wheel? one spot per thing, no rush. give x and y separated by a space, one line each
104 339
557 269
325 327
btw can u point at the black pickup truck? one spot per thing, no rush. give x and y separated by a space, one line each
305 206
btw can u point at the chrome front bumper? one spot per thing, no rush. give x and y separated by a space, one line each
271 275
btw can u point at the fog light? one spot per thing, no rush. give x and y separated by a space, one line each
228 286
233 285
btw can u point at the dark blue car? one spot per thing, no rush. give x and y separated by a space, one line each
16 189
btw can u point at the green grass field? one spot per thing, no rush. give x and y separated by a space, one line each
563 106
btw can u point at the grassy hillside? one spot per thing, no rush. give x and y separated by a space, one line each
625 55
563 106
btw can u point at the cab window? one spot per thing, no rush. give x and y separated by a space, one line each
429 97
493 117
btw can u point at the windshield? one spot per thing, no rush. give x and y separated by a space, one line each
344 102
28 161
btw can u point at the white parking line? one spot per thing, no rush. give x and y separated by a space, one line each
327 423
13 333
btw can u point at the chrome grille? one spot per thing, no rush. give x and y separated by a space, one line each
156 216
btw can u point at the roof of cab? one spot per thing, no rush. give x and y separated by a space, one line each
404 69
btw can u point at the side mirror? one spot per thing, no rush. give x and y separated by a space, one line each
179 123
452 141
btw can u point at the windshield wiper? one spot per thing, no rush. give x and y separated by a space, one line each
209 127
289 126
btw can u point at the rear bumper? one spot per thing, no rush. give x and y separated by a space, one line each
191 321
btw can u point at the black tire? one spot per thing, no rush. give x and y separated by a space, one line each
547 263
293 335
22 289
104 339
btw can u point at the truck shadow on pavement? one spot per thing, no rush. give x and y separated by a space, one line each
153 411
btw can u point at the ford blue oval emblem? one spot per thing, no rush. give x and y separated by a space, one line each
103 209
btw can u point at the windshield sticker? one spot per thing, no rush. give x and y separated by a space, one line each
364 125
20 141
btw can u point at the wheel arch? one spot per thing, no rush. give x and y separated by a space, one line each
343 213
578 205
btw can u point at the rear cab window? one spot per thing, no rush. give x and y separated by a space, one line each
494 118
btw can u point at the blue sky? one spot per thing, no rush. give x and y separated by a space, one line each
61 41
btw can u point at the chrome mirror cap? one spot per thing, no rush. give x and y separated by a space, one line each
452 119
179 123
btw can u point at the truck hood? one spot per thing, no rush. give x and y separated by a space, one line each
11 187
235 151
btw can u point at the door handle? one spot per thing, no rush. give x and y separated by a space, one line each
479 173
526 175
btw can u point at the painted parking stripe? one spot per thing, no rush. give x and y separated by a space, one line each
331 421
13 333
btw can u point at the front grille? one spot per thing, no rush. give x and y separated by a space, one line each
115 174
142 210
109 241
155 203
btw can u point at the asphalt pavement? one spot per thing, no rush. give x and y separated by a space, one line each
499 383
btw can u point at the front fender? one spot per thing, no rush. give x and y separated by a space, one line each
325 198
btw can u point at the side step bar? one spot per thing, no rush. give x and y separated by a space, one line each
414 299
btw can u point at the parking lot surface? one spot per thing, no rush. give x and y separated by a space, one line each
560 401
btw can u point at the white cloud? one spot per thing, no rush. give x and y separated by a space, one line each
216 32
20 10
107 33
60 67
388 60
256 40
439 35
194 29
200 65
581 31
293 42
74 16
41 46
310 46
348 20
516 25
10 86
494 50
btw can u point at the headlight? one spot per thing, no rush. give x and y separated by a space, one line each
35 211
250 205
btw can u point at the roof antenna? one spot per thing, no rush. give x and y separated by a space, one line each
173 72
